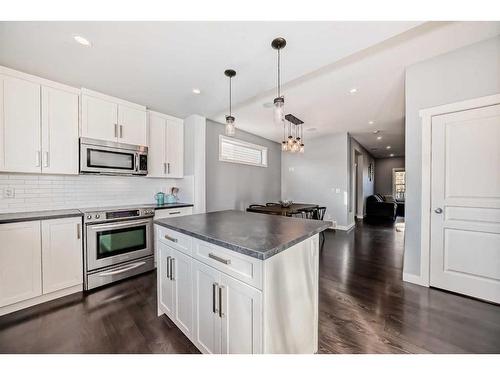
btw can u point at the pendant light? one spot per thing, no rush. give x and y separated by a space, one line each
230 128
293 135
279 101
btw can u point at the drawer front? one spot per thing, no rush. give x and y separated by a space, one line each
239 266
173 212
174 239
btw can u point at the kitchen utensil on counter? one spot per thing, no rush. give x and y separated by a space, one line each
172 197
160 198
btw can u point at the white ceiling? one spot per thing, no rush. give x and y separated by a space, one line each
159 63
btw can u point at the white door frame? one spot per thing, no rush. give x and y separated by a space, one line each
425 213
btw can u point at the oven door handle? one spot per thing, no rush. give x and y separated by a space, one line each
121 270
115 225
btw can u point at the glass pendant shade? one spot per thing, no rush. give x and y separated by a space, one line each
230 128
279 111
301 148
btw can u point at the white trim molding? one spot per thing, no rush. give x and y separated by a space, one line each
425 213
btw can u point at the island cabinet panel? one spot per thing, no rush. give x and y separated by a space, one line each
207 323
183 291
20 262
241 267
241 312
165 285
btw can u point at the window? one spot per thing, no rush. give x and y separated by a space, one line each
399 183
237 151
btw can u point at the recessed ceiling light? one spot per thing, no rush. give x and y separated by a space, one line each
388 147
379 137
83 41
391 155
311 129
353 90
196 91
371 122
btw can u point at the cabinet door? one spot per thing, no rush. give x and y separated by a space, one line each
132 126
206 323
59 131
157 165
20 262
99 119
165 285
62 253
241 313
175 149
20 149
183 291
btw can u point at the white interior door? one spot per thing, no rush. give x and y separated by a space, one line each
59 131
465 216
20 149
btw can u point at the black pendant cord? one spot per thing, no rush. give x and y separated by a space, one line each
279 73
230 101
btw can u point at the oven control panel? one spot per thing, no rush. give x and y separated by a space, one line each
117 215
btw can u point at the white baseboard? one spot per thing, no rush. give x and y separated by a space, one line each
345 227
414 279
360 216
40 299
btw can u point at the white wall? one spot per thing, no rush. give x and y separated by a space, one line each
466 73
383 174
45 192
236 186
194 159
315 176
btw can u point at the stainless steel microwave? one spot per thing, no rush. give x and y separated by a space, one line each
105 157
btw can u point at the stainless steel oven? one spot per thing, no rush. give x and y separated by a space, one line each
103 157
118 244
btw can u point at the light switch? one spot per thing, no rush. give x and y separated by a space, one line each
9 192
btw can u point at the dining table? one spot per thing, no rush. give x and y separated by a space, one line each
277 209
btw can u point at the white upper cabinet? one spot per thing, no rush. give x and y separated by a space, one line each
132 126
62 253
99 118
166 146
111 119
38 125
20 149
59 131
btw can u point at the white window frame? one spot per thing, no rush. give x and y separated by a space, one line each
254 146
394 170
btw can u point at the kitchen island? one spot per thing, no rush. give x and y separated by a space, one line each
237 282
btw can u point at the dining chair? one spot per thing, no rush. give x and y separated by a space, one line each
308 213
320 215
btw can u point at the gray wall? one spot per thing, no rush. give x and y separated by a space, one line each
235 186
383 174
465 73
315 176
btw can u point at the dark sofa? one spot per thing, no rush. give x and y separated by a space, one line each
378 207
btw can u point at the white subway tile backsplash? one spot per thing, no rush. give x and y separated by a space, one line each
45 192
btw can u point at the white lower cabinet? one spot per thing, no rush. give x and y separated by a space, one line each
39 261
20 262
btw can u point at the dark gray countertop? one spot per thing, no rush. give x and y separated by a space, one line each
169 205
257 235
38 215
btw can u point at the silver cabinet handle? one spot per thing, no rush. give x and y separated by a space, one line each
219 259
78 231
167 237
116 130
174 213
438 210
38 156
168 266
172 269
168 168
221 314
121 131
164 168
46 161
214 297
121 270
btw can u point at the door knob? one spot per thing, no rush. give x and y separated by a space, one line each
438 210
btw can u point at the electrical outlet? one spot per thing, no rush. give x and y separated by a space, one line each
8 192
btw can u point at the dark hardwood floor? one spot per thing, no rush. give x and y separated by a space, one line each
364 308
